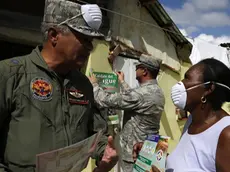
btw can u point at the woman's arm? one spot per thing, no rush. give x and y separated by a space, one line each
223 151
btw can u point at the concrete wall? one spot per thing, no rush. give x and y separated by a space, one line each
98 59
141 36
169 125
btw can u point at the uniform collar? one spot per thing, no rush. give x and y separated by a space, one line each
149 82
37 58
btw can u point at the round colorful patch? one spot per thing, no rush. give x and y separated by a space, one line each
41 88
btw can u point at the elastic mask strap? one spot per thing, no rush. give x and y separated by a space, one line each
222 85
198 85
217 83
65 21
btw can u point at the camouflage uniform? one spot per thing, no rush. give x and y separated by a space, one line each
69 13
144 106
41 111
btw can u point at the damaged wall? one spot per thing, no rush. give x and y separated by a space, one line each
140 36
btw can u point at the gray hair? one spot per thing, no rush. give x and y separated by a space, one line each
46 26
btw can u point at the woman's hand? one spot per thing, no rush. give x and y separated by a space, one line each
154 169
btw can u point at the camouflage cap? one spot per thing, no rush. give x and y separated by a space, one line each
150 62
65 12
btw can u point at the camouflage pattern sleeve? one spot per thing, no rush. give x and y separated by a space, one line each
124 86
130 99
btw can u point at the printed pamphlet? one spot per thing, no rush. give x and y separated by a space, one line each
73 158
153 152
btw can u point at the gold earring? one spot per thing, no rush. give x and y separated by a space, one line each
203 99
54 43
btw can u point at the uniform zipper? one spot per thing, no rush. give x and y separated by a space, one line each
63 103
67 130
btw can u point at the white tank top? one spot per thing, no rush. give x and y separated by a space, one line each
197 153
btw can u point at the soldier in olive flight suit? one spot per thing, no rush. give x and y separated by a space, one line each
144 104
45 102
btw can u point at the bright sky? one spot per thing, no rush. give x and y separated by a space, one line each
205 19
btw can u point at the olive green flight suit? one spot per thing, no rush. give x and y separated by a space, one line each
39 112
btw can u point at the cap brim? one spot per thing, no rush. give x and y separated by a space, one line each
137 63
87 31
145 65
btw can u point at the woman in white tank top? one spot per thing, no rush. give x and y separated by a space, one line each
205 145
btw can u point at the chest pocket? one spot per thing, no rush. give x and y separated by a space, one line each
79 112
38 98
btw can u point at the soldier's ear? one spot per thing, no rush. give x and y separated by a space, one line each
53 36
145 72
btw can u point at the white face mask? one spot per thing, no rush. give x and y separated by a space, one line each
179 93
